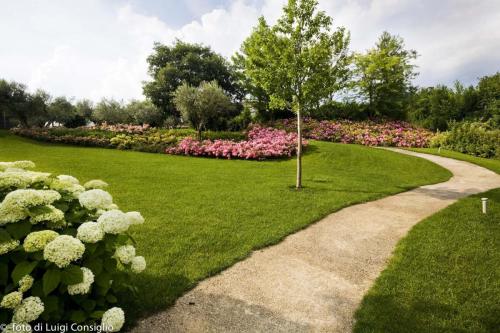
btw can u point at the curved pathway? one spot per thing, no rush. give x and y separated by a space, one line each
314 280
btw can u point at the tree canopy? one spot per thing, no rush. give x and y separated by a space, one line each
172 66
298 62
384 76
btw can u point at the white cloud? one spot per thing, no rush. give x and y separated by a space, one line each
93 49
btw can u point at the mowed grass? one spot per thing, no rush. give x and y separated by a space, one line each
492 164
203 215
444 276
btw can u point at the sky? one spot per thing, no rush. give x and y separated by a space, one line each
98 48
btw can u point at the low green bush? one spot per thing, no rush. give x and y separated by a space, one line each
65 251
471 138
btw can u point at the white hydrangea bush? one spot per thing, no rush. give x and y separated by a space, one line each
66 254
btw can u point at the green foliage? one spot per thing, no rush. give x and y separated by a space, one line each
489 99
61 111
204 107
111 112
299 61
144 112
471 138
384 77
171 66
443 277
436 107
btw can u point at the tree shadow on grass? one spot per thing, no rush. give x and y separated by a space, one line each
139 307
382 313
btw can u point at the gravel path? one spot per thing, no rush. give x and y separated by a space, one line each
314 280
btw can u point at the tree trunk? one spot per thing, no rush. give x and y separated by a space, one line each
299 149
199 134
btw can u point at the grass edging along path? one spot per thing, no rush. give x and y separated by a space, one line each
203 215
444 276
492 164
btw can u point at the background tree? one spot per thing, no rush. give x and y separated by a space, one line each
61 111
204 107
384 76
145 112
25 108
298 62
170 66
112 112
488 90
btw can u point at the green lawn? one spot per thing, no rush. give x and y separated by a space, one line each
444 276
202 215
492 164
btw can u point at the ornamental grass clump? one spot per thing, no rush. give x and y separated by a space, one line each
65 251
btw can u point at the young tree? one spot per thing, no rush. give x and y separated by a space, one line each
170 66
384 76
298 62
203 106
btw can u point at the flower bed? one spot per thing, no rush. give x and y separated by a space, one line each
121 128
65 251
262 143
130 137
369 133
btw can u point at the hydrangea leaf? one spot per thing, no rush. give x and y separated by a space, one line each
77 316
72 275
4 275
51 280
88 305
22 269
19 230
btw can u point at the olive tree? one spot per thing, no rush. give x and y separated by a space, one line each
202 106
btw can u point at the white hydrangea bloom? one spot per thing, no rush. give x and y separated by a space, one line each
14 206
90 232
26 283
63 250
14 180
67 186
8 246
18 178
36 241
95 199
134 218
83 287
112 207
114 222
11 300
29 310
95 184
17 164
125 254
53 215
113 320
68 179
138 264
17 328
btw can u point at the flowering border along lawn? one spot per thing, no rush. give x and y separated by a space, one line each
368 133
203 215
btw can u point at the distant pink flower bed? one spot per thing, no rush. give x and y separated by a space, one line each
121 128
262 143
368 133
